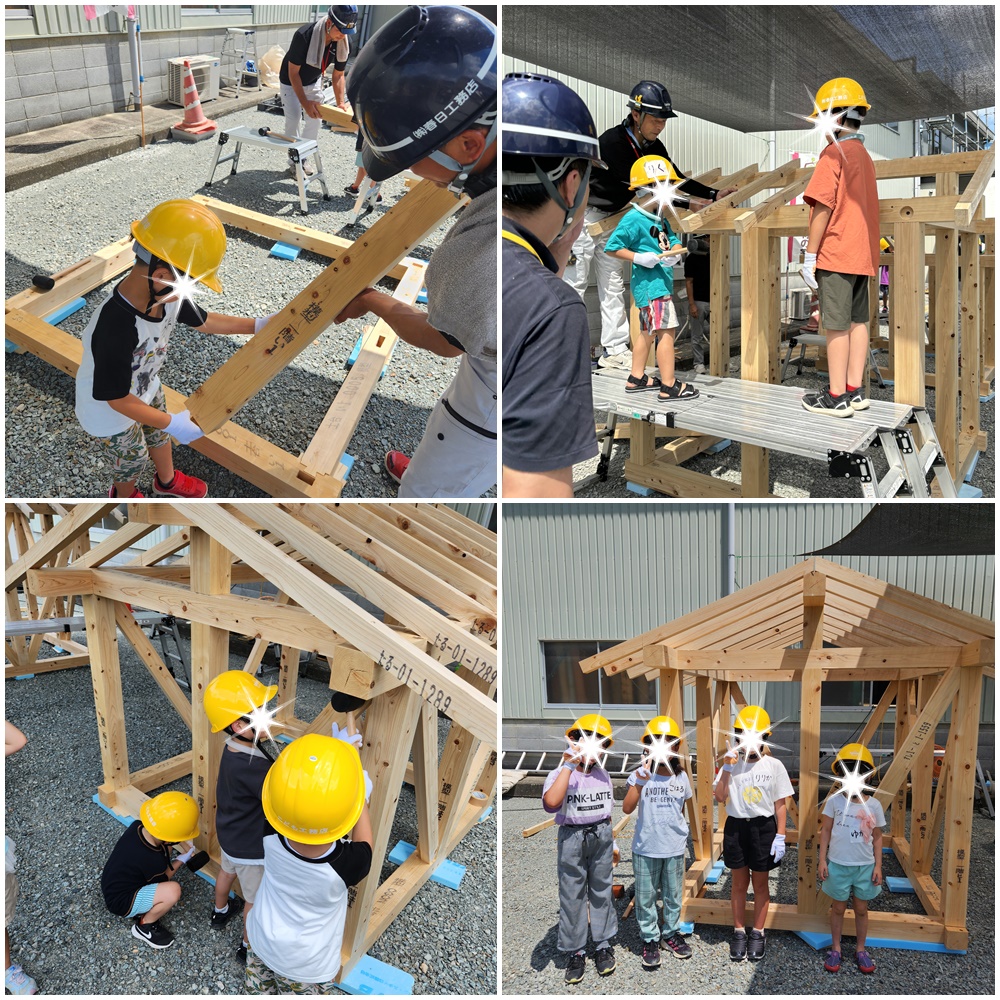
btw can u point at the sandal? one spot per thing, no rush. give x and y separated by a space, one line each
644 384
679 390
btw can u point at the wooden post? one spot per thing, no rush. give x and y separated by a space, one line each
945 311
288 682
922 852
211 570
702 836
425 782
757 331
987 310
897 821
970 342
718 318
814 592
908 320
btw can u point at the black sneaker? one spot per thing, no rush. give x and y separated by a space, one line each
153 934
756 945
823 402
605 961
857 399
738 946
676 944
650 955
241 954
574 969
234 909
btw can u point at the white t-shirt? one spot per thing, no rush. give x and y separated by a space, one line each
755 787
661 831
853 826
296 925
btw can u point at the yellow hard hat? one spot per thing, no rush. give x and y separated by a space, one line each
885 244
662 725
843 92
649 170
754 719
315 790
187 236
232 695
853 751
593 723
171 817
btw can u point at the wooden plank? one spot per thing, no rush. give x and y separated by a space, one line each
874 720
296 326
46 666
163 773
124 538
877 660
758 213
704 767
676 481
987 311
473 709
756 337
719 304
926 889
808 823
924 166
425 782
969 201
945 312
922 774
970 341
336 116
288 681
774 179
480 540
170 546
907 292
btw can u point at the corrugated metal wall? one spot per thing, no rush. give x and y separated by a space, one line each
612 571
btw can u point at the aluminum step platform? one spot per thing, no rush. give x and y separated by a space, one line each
771 416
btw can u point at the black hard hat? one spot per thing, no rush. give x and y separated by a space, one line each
345 17
651 98
423 78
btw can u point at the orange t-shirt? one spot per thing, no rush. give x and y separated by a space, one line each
844 180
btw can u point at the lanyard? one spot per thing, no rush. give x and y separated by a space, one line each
636 148
514 238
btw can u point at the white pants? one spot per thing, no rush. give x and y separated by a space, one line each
294 113
610 284
452 459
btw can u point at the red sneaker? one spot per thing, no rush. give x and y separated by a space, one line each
183 486
135 496
395 464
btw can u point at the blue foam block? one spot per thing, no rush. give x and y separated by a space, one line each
721 446
370 977
914 946
285 252
972 468
348 463
967 492
447 872
67 310
488 810
687 928
716 873
10 345
422 296
643 491
24 677
989 398
349 363
895 883
816 939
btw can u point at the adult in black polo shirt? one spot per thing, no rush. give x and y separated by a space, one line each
638 135
549 147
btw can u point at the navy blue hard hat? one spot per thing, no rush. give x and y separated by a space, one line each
651 98
344 17
423 78
543 117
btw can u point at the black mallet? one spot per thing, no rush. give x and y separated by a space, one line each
348 704
43 281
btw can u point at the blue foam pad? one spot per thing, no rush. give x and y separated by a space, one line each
370 977
63 311
422 296
716 873
817 939
285 251
972 468
687 928
643 491
489 809
967 492
914 946
10 345
721 446
895 883
447 872
349 363
348 463
24 677
989 398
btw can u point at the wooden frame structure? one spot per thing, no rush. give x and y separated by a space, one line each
380 252
432 573
962 371
934 658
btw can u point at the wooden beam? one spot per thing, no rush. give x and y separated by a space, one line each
924 166
874 720
426 783
758 213
878 660
974 190
719 305
970 340
945 313
922 775
774 179
158 775
296 326
336 116
479 540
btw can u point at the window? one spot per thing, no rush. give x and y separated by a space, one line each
566 684
17 12
852 694
891 126
214 10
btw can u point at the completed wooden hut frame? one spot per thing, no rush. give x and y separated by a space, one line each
933 657
430 571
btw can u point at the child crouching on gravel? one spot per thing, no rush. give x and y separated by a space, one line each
314 797
850 854
580 793
137 881
659 788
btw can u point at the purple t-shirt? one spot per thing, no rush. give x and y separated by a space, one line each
589 797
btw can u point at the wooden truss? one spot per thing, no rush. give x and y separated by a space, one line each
380 252
432 649
934 658
962 371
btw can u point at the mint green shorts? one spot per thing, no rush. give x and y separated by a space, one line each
850 880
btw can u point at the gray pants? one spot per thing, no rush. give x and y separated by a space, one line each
585 876
698 327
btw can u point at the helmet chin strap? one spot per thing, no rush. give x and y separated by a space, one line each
457 184
152 263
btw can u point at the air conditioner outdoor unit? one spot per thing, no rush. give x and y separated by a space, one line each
801 299
206 78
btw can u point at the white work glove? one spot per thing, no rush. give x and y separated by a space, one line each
778 846
183 428
673 260
186 856
808 271
730 758
639 777
342 734
261 321
368 786
646 258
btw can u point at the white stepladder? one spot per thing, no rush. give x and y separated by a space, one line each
239 59
368 193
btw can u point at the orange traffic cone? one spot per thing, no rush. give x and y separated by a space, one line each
195 125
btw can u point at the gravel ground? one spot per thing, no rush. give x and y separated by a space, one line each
48 227
790 476
63 934
532 964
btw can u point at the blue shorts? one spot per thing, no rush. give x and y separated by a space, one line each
850 880
143 900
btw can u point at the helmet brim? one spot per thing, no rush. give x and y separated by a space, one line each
377 169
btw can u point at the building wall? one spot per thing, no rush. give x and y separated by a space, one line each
611 571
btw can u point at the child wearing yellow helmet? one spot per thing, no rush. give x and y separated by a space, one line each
581 795
119 399
645 238
659 788
842 249
850 852
137 880
886 246
754 786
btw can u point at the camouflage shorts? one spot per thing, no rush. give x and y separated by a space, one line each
261 981
128 452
